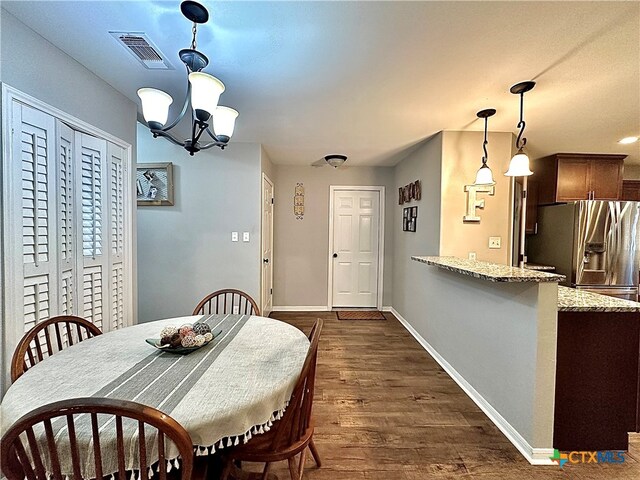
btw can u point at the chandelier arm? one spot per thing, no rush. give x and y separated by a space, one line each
484 144
168 136
184 107
521 142
213 144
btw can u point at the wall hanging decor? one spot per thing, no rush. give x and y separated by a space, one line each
298 201
413 191
409 219
473 202
154 184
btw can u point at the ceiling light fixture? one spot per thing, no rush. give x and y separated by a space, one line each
628 140
485 175
335 160
203 92
519 165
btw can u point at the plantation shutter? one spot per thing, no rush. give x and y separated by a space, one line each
117 172
33 152
92 225
67 288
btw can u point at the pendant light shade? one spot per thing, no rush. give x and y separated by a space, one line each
155 105
224 121
485 175
205 92
519 165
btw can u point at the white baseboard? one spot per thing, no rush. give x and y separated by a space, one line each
535 456
299 308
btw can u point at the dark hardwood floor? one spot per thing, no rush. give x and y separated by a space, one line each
384 409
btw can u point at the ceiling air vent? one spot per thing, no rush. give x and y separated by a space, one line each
143 50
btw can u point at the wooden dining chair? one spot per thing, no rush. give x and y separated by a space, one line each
223 301
48 337
24 453
293 433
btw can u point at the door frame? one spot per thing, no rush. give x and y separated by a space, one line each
360 188
273 189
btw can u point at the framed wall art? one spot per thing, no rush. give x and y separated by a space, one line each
154 184
409 219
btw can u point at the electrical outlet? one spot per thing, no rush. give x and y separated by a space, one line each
245 236
495 242
472 255
234 236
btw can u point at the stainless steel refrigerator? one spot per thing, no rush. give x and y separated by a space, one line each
594 243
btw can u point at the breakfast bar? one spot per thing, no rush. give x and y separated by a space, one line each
515 341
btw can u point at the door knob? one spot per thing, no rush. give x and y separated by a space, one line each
265 260
335 255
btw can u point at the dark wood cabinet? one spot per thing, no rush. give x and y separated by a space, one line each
567 177
631 190
531 226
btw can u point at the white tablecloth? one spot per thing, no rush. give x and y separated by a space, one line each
222 394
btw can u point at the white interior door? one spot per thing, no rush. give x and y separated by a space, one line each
356 223
267 246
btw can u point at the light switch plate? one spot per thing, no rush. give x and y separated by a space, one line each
472 255
245 236
234 236
495 242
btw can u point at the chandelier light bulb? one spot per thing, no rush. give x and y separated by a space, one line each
155 105
205 91
224 121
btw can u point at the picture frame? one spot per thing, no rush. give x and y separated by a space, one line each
154 184
409 219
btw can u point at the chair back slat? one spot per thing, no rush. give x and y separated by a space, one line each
73 446
97 452
18 464
297 417
142 441
53 451
30 349
224 301
37 460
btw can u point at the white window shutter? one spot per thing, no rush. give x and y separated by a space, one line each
117 225
67 258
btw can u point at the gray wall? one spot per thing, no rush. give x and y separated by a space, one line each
301 247
33 65
185 251
425 165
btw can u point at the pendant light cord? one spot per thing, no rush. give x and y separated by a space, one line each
485 143
521 142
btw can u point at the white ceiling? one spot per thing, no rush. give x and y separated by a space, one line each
372 79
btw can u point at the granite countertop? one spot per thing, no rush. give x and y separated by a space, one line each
535 266
489 271
574 300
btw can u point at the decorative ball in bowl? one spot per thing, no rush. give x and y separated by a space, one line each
184 339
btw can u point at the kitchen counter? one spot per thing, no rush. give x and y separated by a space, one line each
535 266
490 271
574 300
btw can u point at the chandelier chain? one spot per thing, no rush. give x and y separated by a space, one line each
194 30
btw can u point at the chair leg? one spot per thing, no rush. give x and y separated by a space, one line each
314 453
303 456
292 468
265 472
226 469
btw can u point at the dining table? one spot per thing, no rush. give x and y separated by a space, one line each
223 393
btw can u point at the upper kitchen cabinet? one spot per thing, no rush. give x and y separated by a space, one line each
631 190
567 177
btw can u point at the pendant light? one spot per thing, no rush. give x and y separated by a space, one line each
519 165
485 175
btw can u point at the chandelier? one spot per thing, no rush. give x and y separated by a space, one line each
203 93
